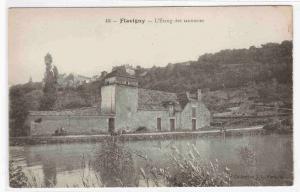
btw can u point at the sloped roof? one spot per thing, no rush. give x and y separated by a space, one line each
156 100
182 99
120 72
193 96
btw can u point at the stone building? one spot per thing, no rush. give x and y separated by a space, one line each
124 106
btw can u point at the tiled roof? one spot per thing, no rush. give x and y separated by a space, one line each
193 96
156 100
182 99
121 72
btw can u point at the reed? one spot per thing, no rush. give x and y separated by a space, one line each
114 167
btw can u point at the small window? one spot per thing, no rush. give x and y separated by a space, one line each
172 124
194 124
111 125
159 124
193 111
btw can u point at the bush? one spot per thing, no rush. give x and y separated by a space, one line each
75 105
271 126
115 165
281 127
247 156
189 171
17 177
141 129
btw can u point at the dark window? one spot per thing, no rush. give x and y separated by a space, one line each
111 125
193 111
38 120
172 124
194 123
159 124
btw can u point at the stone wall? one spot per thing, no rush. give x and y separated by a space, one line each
79 121
72 124
126 107
123 100
203 116
129 118
108 100
149 119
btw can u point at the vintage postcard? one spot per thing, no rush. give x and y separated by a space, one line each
150 96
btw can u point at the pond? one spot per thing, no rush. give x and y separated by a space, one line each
252 160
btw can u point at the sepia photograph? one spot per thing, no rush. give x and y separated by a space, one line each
105 97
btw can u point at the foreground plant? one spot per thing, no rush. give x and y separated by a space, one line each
17 177
188 171
247 156
114 167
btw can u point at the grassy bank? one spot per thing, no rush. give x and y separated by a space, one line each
35 140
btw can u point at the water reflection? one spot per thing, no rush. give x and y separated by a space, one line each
49 170
118 164
115 165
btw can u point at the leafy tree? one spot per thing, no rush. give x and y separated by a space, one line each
50 85
17 177
55 73
21 99
18 112
231 68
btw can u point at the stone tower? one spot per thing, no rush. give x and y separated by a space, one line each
120 96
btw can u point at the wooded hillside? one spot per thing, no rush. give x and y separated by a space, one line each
224 69
228 78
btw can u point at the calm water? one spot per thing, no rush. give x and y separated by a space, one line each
62 165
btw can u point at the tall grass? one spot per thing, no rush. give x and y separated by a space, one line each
189 171
17 177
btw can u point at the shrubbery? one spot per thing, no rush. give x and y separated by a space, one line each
226 68
187 171
141 129
281 127
17 177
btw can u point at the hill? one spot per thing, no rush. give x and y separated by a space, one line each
256 76
224 69
231 80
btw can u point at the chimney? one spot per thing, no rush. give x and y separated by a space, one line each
188 95
199 94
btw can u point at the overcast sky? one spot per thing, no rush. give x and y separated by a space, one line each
81 42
